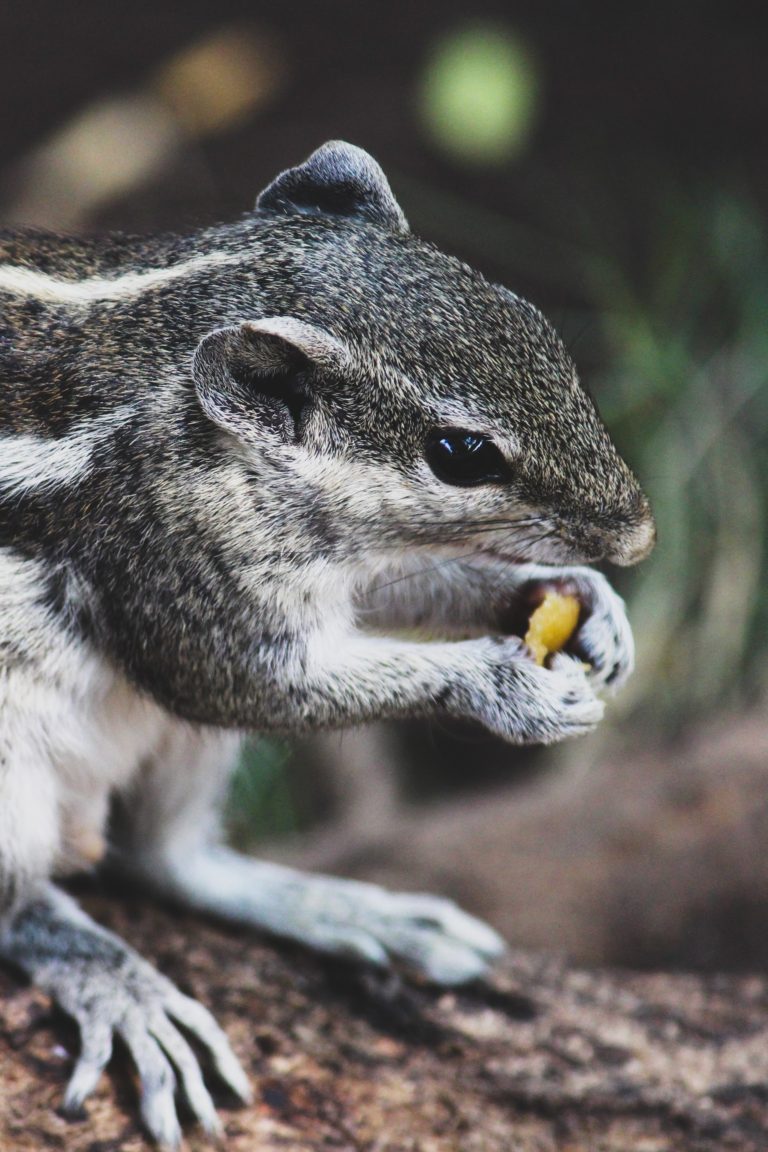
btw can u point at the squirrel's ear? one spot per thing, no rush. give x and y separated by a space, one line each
256 375
337 180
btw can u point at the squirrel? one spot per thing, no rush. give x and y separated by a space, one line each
234 467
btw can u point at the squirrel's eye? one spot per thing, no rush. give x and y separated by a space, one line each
466 458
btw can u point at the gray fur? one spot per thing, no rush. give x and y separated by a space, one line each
215 510
337 180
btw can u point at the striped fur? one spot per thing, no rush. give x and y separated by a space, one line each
213 487
28 282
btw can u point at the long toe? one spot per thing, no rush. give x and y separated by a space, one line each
95 1054
441 959
201 1024
453 922
190 1077
157 1080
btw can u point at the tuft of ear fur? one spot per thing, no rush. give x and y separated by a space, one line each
254 376
337 180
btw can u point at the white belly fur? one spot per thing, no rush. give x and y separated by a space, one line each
72 730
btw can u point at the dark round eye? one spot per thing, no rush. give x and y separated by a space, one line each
466 458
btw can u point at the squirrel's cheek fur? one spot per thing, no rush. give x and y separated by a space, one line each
219 511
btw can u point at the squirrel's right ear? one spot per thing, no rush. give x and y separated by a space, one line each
337 180
256 376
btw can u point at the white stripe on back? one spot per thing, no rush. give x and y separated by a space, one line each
29 462
28 282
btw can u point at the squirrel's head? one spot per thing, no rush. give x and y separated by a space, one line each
398 387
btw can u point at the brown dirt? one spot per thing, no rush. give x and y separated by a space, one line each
542 1058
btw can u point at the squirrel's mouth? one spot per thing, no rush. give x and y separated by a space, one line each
554 550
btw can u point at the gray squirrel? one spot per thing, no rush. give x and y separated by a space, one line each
234 468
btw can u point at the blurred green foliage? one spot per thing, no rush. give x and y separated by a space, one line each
261 801
685 392
479 93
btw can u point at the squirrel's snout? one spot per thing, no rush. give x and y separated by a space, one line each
635 542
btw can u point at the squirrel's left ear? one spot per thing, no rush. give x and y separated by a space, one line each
256 377
337 180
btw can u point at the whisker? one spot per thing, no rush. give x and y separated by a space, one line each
528 538
485 529
490 522
425 571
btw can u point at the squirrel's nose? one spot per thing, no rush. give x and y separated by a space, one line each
635 542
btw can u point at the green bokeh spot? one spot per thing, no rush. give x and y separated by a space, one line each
480 94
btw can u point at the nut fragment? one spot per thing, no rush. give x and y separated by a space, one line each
552 624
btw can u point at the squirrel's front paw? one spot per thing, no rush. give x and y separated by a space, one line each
604 638
528 704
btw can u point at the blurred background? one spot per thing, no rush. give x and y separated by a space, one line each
609 162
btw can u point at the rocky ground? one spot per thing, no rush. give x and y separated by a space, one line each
543 1057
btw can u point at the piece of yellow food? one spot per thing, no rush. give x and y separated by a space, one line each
552 624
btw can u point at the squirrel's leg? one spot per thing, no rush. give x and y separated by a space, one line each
335 916
110 991
171 843
493 681
480 596
342 679
94 976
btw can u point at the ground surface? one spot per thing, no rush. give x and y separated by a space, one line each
544 1058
